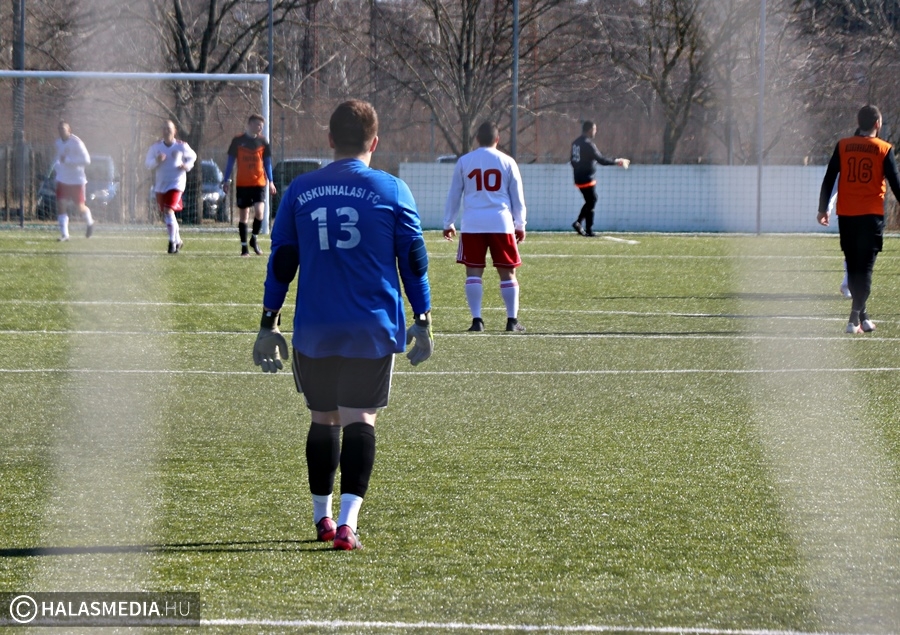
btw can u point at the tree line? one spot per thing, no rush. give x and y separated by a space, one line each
667 81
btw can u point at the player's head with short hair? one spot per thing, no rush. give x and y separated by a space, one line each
588 127
255 124
868 118
64 129
488 134
169 130
352 127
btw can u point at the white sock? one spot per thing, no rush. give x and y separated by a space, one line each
87 216
321 507
474 294
509 291
171 226
846 279
350 504
63 220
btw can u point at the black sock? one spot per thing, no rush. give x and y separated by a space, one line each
257 225
357 458
242 231
323 453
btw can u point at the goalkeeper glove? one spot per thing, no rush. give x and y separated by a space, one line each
270 346
421 332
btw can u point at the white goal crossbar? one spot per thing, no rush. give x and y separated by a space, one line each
263 78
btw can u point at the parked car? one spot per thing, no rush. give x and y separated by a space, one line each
101 192
287 170
214 203
447 158
213 195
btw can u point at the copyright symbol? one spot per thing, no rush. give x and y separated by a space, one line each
23 609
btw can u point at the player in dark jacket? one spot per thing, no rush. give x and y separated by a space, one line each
585 157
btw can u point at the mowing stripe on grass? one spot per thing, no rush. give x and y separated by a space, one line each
838 484
102 491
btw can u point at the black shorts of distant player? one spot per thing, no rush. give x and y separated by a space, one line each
247 196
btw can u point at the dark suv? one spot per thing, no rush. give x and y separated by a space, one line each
213 195
287 170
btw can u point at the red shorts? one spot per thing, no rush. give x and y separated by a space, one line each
66 192
474 247
169 200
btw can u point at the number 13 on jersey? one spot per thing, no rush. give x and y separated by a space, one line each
348 235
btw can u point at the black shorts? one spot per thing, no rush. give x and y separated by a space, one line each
329 382
861 235
246 197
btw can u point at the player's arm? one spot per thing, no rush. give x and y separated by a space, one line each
412 263
151 162
451 207
891 174
517 201
84 157
599 158
267 165
270 347
229 166
188 157
831 175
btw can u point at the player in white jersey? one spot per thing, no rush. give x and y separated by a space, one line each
172 160
493 218
71 157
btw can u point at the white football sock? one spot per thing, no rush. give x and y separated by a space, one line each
350 504
474 294
89 219
171 226
321 507
63 220
509 291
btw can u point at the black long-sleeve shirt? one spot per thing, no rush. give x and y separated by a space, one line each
585 157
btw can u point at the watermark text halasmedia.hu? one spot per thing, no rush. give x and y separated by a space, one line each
100 609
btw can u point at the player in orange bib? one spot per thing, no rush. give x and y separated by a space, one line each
251 154
863 165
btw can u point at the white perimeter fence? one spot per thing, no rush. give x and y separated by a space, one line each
644 198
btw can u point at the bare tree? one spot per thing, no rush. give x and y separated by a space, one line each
854 46
452 59
660 43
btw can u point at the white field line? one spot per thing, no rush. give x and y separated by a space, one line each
217 254
787 337
523 311
492 373
526 628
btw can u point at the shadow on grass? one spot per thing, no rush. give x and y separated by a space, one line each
184 547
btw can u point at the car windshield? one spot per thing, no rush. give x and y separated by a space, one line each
211 173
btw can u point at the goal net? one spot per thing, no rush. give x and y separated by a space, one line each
118 116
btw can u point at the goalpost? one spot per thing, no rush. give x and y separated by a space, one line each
262 78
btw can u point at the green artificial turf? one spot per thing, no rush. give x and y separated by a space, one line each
684 438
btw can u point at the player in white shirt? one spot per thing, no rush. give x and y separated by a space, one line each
172 159
493 218
71 157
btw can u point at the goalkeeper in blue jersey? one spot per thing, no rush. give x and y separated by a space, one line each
353 233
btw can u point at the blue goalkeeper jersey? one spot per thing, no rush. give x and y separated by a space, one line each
358 233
